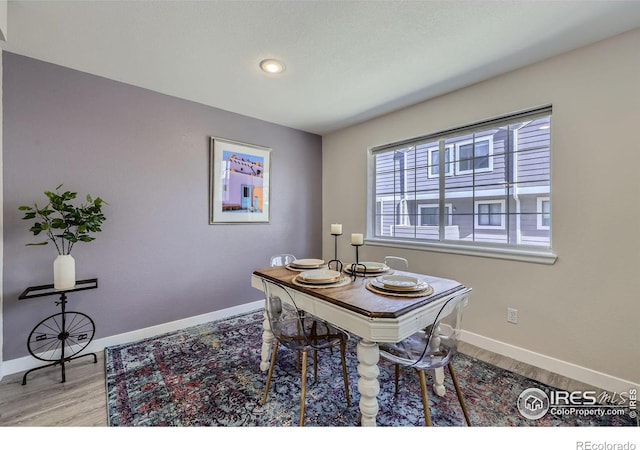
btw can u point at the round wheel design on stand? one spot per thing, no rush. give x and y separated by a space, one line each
61 336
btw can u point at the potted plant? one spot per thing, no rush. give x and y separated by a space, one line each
65 224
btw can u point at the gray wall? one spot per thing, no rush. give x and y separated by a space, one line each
584 309
146 154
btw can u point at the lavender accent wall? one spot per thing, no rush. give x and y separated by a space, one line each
146 154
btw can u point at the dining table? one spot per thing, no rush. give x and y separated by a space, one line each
371 315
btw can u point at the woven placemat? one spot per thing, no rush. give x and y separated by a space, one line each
344 280
423 293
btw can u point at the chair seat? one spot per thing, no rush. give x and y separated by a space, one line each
414 351
316 332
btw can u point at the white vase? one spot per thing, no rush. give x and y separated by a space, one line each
64 272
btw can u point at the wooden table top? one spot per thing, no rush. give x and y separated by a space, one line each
356 297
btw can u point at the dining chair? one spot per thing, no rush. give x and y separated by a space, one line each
299 333
396 262
284 259
281 260
432 348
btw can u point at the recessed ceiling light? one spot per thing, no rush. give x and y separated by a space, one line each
272 66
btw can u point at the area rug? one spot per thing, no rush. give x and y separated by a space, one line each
209 375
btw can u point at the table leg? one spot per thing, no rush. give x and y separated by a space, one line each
368 385
438 382
267 339
438 374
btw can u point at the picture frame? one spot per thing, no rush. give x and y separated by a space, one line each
239 182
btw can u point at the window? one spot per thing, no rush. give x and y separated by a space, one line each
494 199
544 213
434 161
430 215
475 156
489 214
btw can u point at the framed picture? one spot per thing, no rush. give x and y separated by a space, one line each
239 182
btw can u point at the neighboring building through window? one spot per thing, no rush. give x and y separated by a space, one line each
496 191
544 213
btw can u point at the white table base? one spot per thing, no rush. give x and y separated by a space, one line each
368 352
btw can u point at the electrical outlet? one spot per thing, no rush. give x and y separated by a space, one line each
512 315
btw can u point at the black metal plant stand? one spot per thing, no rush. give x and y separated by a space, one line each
335 259
63 335
355 265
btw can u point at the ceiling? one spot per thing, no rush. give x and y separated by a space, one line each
346 61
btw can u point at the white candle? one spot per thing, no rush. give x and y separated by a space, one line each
357 239
336 228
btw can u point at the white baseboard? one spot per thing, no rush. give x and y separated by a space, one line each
583 374
29 362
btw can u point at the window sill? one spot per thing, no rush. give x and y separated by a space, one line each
525 255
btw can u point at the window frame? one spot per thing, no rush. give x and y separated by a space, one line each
540 213
517 252
447 215
476 214
459 171
448 164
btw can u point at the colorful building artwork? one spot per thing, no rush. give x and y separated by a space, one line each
242 182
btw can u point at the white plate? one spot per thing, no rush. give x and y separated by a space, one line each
319 276
400 282
371 267
421 286
307 263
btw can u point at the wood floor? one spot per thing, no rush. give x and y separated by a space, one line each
81 401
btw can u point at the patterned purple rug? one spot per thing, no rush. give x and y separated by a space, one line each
209 375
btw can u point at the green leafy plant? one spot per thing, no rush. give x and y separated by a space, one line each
63 223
